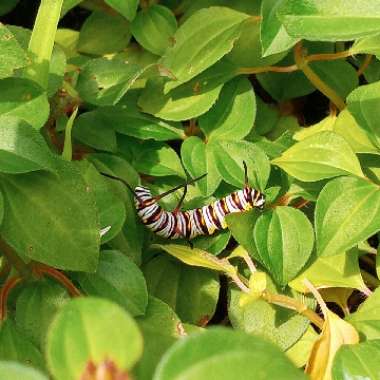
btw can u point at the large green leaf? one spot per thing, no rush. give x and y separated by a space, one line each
319 20
22 148
200 41
198 159
363 104
274 38
233 114
91 330
154 27
160 327
127 8
118 279
179 285
347 212
24 99
284 239
358 361
12 56
222 353
323 155
15 371
66 232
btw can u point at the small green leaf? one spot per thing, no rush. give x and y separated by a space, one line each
347 212
154 28
179 285
158 159
97 330
323 155
317 20
160 327
241 355
284 239
36 306
24 99
233 114
15 371
274 38
114 37
67 153
358 361
118 279
66 232
200 43
127 8
363 104
367 318
103 81
188 100
22 148
229 157
12 56
198 160
15 346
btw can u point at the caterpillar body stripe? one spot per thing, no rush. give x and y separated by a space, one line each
192 223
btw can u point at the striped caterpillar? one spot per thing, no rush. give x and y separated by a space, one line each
189 224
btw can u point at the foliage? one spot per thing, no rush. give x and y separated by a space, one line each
156 93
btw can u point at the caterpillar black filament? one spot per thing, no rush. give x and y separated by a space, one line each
188 224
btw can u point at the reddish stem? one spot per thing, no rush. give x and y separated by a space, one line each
4 293
41 269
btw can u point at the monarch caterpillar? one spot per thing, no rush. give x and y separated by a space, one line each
188 224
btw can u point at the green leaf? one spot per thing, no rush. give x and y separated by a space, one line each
199 356
1 207
36 306
229 157
317 20
154 28
15 346
118 279
24 99
188 100
323 155
347 213
198 159
22 148
158 159
363 104
6 6
359 361
90 129
127 8
367 45
111 209
247 50
97 330
341 270
114 37
66 232
15 371
160 327
281 326
179 286
274 38
104 82
200 41
367 318
12 56
233 114
213 244
284 239
137 124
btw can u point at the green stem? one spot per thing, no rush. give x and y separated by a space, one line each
42 41
67 153
302 63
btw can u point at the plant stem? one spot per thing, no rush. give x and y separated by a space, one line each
265 69
291 303
42 41
364 65
4 293
315 79
14 259
328 56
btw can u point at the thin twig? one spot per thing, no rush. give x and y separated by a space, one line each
4 293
